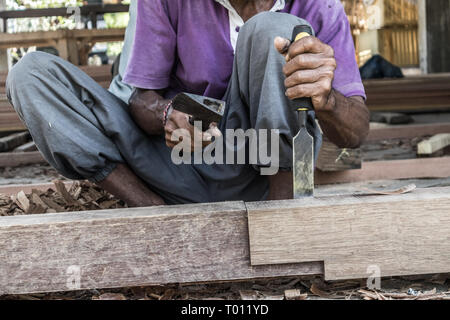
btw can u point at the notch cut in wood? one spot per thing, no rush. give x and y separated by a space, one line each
131 247
397 234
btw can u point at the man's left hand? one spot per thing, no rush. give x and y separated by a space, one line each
309 70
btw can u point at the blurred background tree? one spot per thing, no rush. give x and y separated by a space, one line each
110 20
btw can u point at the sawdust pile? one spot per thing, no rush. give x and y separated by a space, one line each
81 196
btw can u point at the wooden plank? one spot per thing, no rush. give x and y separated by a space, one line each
131 247
14 189
27 147
45 38
333 158
435 143
411 94
13 140
10 122
52 12
398 234
408 131
17 159
389 170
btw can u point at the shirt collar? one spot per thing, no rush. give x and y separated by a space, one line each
279 5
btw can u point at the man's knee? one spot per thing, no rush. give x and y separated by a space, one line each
29 63
270 25
20 76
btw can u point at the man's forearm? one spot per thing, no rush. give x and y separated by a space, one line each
345 121
147 110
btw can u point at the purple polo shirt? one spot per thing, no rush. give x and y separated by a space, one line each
184 45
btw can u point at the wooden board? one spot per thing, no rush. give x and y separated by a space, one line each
17 159
410 94
12 141
399 234
435 143
333 158
131 247
408 131
388 170
45 38
14 189
10 122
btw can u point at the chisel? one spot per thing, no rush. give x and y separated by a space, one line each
303 142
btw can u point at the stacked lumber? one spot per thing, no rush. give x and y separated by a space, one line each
9 121
412 94
389 153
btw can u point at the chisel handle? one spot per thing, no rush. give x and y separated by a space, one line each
302 104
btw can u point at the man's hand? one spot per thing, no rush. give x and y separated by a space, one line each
179 129
309 70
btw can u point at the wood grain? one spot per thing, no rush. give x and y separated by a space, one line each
400 234
408 131
333 158
435 143
17 159
13 189
131 247
388 170
12 141
415 93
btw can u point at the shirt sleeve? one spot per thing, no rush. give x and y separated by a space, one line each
333 28
153 53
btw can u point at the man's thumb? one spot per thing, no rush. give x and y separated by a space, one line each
282 45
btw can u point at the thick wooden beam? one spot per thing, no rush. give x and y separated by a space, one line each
27 147
389 170
14 189
43 38
13 140
435 143
333 158
17 159
411 94
131 247
356 236
408 131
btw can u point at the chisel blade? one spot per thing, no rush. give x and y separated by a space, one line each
303 164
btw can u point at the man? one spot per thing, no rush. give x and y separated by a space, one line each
236 50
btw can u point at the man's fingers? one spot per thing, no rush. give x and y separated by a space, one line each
309 45
282 45
309 90
302 76
304 62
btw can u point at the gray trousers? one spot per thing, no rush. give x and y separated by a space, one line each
84 131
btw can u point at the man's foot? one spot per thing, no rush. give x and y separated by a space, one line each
125 185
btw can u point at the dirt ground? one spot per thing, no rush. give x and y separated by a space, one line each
435 287
306 288
28 175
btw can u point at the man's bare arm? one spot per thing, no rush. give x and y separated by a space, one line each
344 121
147 109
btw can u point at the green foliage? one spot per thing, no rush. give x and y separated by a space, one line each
112 20
38 4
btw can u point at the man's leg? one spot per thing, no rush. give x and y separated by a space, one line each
256 95
78 126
